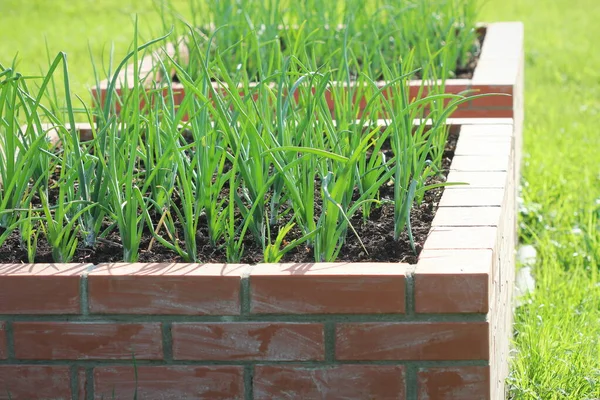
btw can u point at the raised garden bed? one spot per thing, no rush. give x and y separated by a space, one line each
436 329
499 70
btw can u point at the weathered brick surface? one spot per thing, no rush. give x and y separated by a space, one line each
190 289
467 216
381 382
336 288
480 163
454 86
504 97
40 288
450 281
427 341
481 179
454 383
470 197
28 382
87 341
3 344
248 341
174 382
487 144
460 238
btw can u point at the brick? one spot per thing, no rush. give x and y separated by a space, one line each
462 112
500 91
427 341
40 288
184 289
453 281
449 238
494 128
87 341
471 197
467 216
458 111
26 382
457 86
498 98
3 344
454 86
169 382
489 145
478 180
327 288
454 383
498 75
380 382
248 341
480 163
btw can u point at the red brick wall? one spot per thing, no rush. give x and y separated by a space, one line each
235 332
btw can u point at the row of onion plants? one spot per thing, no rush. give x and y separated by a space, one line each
377 32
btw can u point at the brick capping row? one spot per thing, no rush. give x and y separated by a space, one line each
438 329
499 71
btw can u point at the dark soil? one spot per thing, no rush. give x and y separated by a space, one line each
376 235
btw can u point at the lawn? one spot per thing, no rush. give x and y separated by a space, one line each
557 346
557 350
76 27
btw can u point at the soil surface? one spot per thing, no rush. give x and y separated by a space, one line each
376 235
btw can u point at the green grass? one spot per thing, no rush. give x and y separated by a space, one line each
557 350
74 27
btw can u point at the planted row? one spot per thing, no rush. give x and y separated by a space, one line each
254 37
